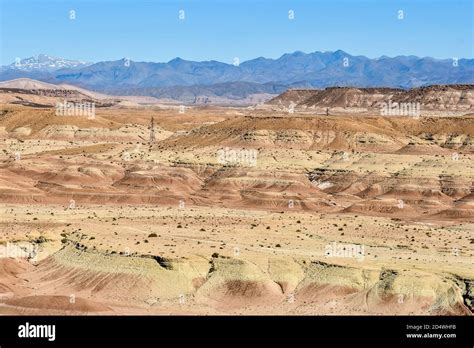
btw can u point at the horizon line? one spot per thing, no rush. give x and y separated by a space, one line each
248 60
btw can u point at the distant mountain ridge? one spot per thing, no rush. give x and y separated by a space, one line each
182 78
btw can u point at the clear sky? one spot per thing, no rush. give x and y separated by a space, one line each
151 30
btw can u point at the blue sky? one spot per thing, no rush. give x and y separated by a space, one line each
150 30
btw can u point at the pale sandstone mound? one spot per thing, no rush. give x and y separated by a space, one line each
114 278
234 283
386 291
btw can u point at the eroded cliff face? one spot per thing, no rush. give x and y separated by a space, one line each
429 100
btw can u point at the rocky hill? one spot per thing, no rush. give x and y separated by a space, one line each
458 98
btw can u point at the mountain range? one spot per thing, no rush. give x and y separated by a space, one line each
181 79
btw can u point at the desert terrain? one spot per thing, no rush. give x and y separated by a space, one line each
311 203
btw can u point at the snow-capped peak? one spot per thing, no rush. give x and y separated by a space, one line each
44 62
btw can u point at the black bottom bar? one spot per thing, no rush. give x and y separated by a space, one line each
194 331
